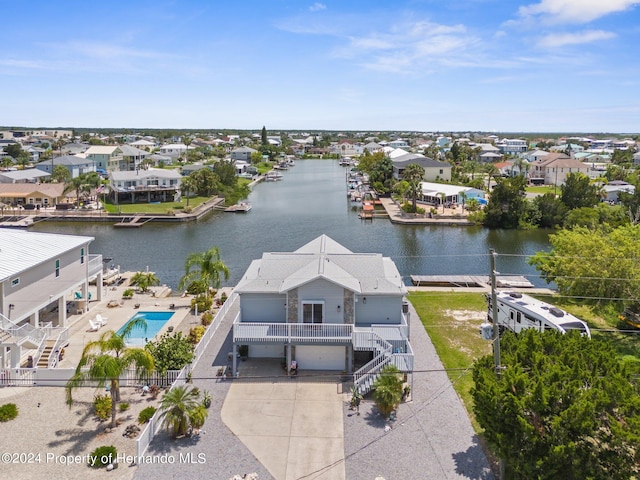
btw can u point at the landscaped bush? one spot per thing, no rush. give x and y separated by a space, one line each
124 406
102 406
204 303
103 456
408 208
146 414
196 333
128 293
206 318
196 288
8 411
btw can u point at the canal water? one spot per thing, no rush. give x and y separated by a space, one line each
310 200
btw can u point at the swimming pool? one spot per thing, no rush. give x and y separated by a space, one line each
155 321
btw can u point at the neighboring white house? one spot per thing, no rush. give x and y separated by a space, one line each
554 169
614 188
327 308
174 150
152 185
29 175
433 193
39 273
512 145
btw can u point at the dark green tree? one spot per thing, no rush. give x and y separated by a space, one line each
263 136
205 182
578 191
507 204
83 183
226 171
13 150
563 406
552 210
61 174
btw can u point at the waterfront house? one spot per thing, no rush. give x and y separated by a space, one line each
28 175
326 308
434 170
42 194
39 273
433 193
76 164
152 185
554 168
242 154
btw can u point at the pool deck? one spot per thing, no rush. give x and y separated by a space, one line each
79 334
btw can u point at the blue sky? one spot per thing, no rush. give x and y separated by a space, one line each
421 65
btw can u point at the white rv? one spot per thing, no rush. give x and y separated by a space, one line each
518 312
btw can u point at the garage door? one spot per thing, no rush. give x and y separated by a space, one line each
320 358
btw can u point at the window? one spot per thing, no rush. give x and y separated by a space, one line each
519 317
57 268
82 256
312 312
15 282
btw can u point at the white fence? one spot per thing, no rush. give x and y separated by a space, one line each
146 436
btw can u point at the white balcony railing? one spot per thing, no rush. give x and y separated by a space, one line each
292 332
95 264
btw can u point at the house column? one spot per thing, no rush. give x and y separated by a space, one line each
99 286
234 352
350 358
62 312
288 358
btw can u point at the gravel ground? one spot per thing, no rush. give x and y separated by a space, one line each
431 438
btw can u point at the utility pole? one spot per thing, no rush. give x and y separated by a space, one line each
496 336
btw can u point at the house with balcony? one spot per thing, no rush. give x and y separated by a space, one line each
434 170
104 157
145 186
326 308
40 274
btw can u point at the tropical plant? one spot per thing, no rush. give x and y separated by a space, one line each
196 333
187 185
128 293
83 183
413 174
144 280
102 406
103 456
198 416
8 411
205 267
206 398
105 360
387 392
176 407
61 174
201 302
145 414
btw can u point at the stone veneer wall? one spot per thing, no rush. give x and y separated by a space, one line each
292 306
349 306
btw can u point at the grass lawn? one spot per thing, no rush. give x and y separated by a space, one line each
154 208
542 189
452 321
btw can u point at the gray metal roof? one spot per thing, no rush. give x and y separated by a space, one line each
323 258
21 250
140 174
68 160
26 174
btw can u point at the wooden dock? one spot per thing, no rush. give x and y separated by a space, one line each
482 281
135 222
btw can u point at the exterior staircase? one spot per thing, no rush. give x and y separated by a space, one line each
365 377
43 361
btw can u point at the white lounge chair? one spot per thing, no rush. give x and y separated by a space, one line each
101 320
94 326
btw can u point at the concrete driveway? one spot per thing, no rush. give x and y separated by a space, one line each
294 427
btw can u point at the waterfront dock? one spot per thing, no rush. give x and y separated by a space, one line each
450 216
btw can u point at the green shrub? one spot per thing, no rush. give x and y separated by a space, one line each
103 456
146 414
206 318
102 406
8 411
128 293
408 208
196 288
204 303
124 406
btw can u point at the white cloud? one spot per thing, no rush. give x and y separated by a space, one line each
316 7
555 40
574 11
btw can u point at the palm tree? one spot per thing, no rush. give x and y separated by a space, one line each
106 359
84 182
413 174
491 170
188 185
177 407
205 268
144 280
388 390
